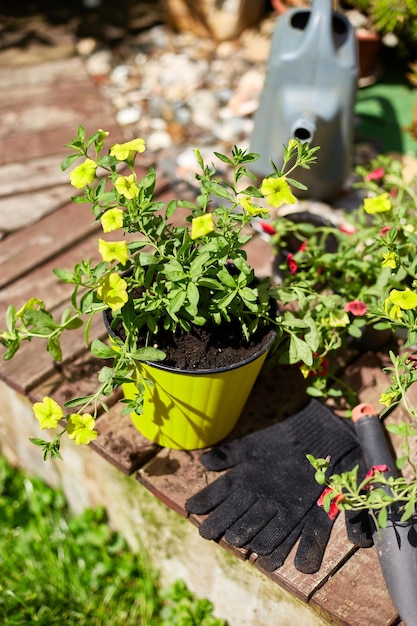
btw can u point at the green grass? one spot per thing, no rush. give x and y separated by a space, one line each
58 568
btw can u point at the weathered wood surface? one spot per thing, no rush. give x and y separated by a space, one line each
42 111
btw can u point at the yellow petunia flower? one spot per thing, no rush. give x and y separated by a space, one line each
113 291
202 225
83 174
389 260
127 187
406 299
277 191
378 204
80 428
113 251
112 220
338 319
48 413
121 151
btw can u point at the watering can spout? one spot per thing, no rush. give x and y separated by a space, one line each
309 94
304 130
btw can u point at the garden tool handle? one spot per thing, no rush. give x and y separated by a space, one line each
372 439
395 544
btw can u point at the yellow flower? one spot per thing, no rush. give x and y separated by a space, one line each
127 187
81 428
251 208
83 174
113 251
122 150
202 225
389 260
48 413
388 398
112 220
338 319
277 191
112 291
406 299
378 204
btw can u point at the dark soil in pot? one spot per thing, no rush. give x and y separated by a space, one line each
207 347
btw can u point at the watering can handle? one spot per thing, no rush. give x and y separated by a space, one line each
319 31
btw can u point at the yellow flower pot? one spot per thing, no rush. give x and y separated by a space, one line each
189 410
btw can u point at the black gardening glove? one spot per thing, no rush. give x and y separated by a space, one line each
267 498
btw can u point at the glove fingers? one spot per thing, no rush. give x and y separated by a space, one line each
251 522
273 533
314 540
277 557
210 497
359 528
215 525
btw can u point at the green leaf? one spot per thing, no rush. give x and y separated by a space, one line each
81 400
300 351
217 190
148 354
382 518
223 158
54 348
228 280
193 294
171 208
177 299
105 374
11 318
68 161
102 350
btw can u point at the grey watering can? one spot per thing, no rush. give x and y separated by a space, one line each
309 94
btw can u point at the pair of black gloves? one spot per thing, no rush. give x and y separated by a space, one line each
267 499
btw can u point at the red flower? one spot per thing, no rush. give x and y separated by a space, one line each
303 247
347 229
334 509
292 264
384 230
376 174
356 307
376 468
267 228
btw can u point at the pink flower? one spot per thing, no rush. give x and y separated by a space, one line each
292 264
384 230
356 307
376 174
267 227
334 509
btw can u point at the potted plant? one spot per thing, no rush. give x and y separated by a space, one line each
164 282
388 495
337 274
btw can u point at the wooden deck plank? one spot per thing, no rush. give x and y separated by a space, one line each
26 249
50 141
48 73
356 595
33 175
